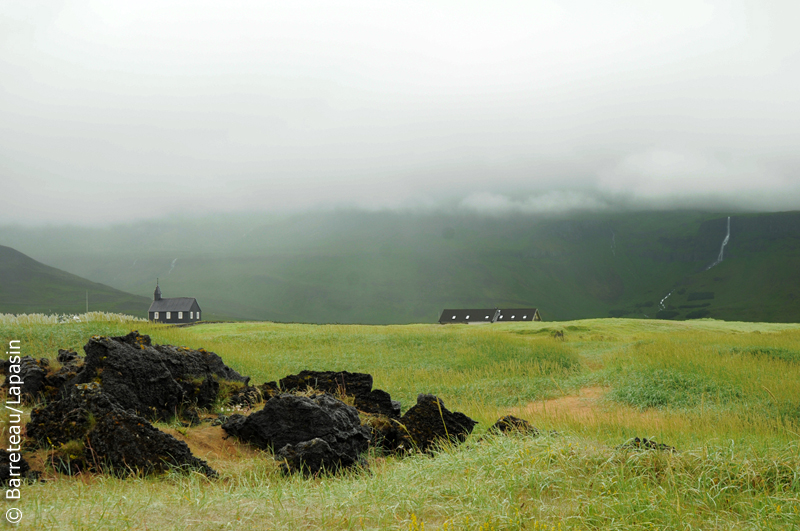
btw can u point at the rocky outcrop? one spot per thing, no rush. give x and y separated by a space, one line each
312 457
41 380
16 470
154 381
246 397
646 444
89 430
292 420
269 389
355 384
429 423
510 424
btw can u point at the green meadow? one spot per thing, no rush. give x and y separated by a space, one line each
725 395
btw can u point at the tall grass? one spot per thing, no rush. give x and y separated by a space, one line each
726 395
42 335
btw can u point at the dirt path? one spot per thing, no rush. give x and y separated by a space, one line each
579 406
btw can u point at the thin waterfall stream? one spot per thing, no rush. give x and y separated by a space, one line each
722 248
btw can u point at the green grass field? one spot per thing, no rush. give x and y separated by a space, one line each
726 395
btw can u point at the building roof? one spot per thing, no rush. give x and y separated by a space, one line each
176 304
488 315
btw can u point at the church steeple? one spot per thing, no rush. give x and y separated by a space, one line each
157 292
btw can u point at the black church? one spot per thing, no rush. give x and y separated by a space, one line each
175 311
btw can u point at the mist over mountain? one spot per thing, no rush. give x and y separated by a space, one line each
390 267
28 286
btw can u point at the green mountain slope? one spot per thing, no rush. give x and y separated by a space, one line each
28 286
396 268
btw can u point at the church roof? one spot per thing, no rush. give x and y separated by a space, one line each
176 304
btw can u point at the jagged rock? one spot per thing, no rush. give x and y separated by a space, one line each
21 469
379 402
386 433
247 397
41 381
355 384
269 389
511 424
202 395
312 457
32 375
645 444
66 357
154 381
429 422
291 420
342 382
89 430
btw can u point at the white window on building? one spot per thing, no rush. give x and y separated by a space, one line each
191 315
198 316
180 315
155 315
169 316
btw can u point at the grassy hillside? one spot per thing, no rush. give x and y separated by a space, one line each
28 286
356 267
725 395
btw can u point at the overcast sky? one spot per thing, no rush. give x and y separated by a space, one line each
123 110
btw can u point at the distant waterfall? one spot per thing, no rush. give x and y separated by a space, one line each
661 304
173 266
724 243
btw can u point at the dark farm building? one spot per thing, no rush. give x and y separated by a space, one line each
175 310
495 315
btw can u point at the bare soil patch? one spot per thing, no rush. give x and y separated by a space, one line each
213 444
580 406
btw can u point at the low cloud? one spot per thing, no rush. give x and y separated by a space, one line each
112 111
555 202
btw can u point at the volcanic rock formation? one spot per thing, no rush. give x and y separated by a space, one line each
90 430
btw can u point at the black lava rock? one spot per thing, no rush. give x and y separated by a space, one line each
379 402
312 457
32 374
346 383
511 424
355 384
103 436
645 444
429 422
269 389
66 357
248 396
154 381
18 470
291 420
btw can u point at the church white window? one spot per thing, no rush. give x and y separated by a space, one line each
191 315
198 316
169 316
155 315
180 315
